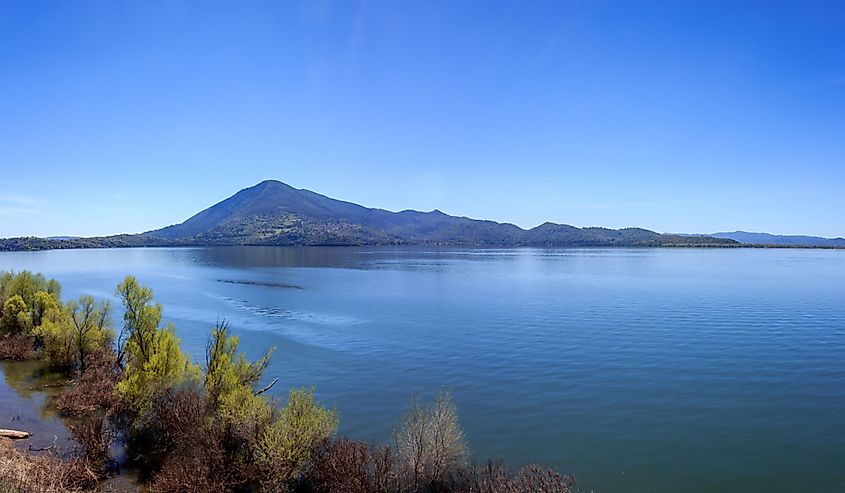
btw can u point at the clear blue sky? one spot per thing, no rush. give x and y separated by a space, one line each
677 116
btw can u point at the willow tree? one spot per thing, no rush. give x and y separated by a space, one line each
230 378
148 351
90 325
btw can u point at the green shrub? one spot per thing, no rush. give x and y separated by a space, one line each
70 333
26 284
16 318
288 445
230 379
20 299
90 326
152 358
164 367
57 339
42 305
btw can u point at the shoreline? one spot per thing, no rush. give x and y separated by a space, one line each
66 245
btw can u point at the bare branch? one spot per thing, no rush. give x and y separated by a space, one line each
265 389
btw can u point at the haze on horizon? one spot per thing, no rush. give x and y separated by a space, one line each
689 117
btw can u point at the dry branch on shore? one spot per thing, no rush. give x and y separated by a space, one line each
14 434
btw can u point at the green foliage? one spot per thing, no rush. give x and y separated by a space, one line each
43 304
165 368
229 377
90 327
26 284
159 391
16 318
151 354
71 332
22 300
287 446
141 321
57 339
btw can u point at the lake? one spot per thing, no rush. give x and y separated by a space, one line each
638 370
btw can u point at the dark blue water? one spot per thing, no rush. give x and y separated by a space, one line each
646 370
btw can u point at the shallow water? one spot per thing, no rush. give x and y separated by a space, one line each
639 370
26 390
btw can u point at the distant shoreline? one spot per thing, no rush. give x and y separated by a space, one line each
36 244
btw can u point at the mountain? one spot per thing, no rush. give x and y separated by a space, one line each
780 240
274 213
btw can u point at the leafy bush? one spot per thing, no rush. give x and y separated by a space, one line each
164 366
20 300
16 318
70 333
288 445
230 379
26 284
90 327
57 341
151 354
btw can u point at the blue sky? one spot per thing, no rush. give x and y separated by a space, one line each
677 116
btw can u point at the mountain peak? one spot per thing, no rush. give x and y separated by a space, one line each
275 213
270 184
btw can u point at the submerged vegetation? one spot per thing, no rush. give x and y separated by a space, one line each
212 428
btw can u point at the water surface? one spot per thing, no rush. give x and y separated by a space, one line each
639 370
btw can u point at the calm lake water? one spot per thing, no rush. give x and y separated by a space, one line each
638 370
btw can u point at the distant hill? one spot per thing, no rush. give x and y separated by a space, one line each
63 238
780 240
273 213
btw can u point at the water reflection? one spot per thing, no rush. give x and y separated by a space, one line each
281 257
658 370
26 402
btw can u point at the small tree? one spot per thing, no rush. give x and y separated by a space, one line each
150 354
287 447
16 318
44 302
228 374
70 333
165 367
89 326
58 341
26 284
141 320
430 441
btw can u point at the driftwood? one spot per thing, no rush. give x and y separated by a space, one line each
14 434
